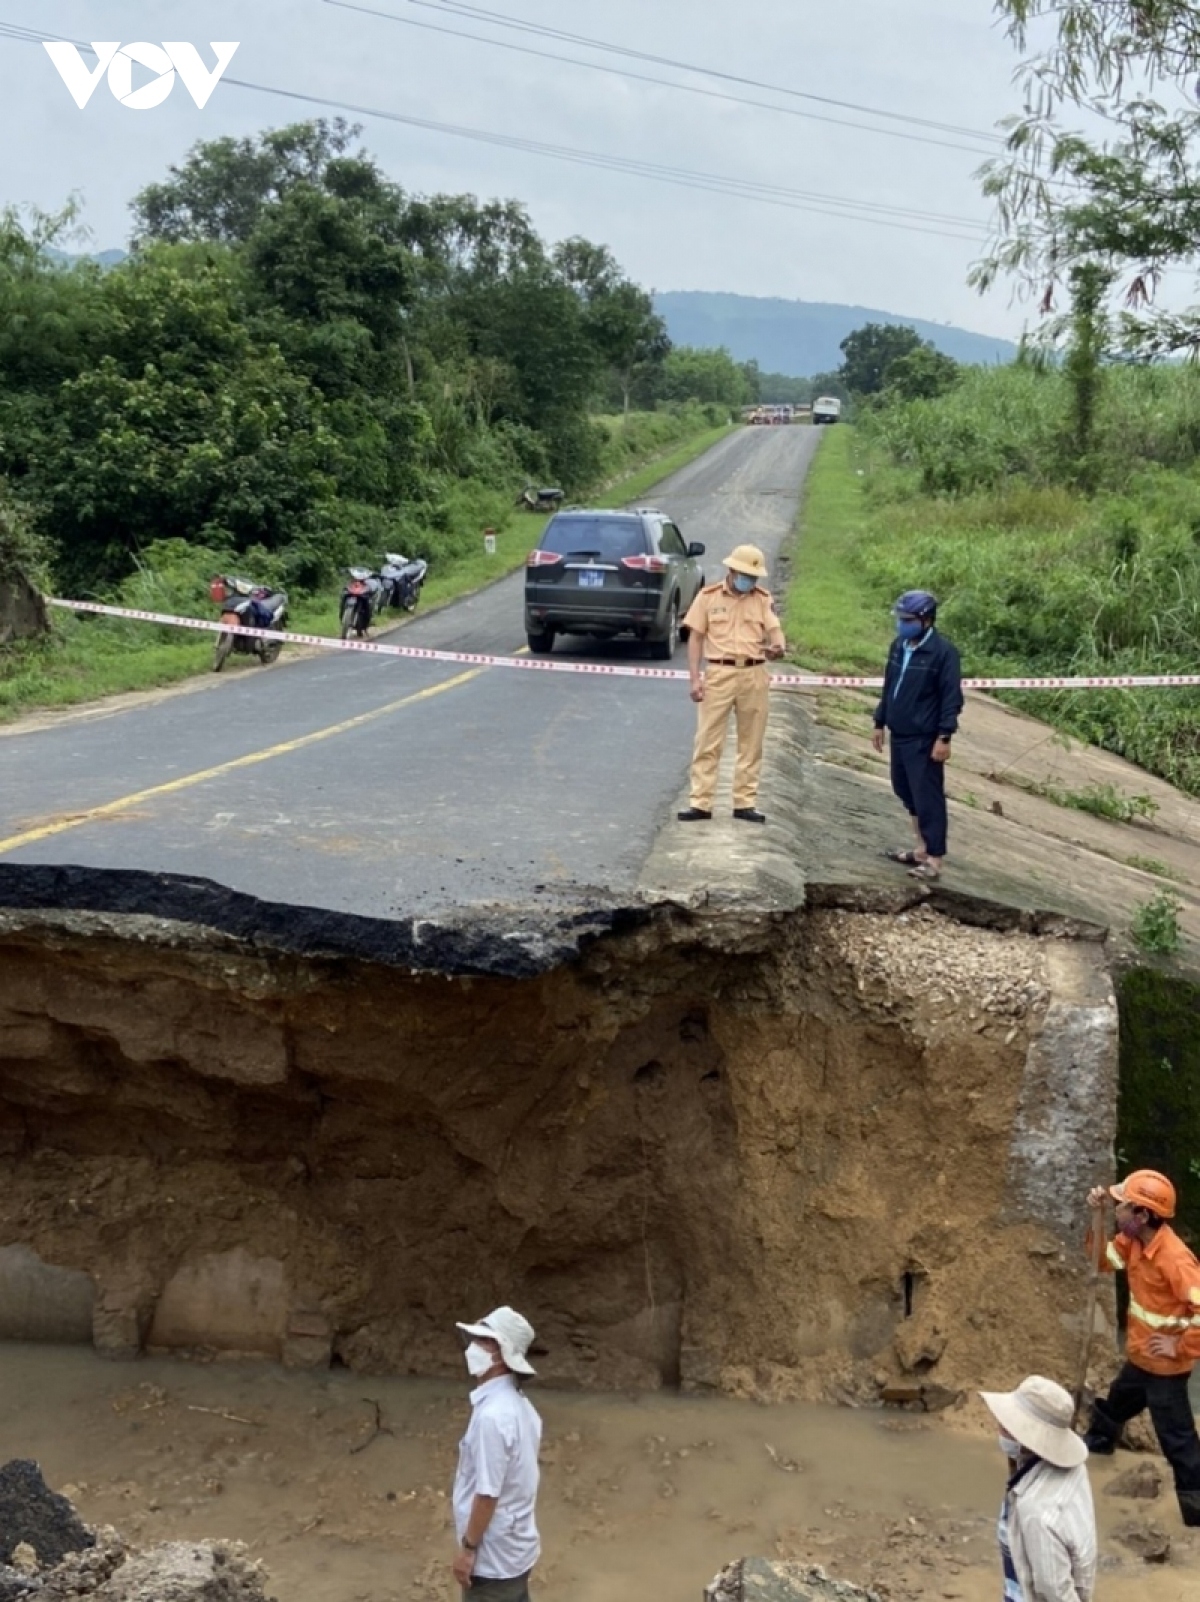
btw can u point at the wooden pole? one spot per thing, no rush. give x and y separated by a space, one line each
1099 1244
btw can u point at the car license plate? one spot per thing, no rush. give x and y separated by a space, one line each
591 579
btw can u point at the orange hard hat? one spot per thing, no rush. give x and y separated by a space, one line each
1147 1188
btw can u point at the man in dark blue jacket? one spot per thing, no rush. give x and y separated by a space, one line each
922 697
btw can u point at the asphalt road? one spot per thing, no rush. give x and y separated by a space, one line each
390 788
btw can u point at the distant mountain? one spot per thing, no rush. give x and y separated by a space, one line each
103 258
801 337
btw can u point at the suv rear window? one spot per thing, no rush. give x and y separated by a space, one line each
595 536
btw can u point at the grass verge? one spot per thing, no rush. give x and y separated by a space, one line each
832 622
1035 578
89 659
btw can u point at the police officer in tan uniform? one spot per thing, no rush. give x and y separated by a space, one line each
733 631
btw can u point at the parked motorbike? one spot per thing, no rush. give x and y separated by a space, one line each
246 605
540 500
402 579
362 597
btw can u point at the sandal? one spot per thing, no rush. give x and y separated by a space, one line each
924 870
906 859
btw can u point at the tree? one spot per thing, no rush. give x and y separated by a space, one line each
830 384
781 389
331 266
461 240
1089 283
708 376
1130 200
620 319
869 351
629 334
923 374
51 314
223 187
183 426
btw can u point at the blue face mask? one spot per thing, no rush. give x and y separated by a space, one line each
909 629
743 583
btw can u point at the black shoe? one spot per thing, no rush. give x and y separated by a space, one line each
749 815
693 815
1099 1445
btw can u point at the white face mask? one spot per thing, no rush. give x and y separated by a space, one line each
1009 1447
479 1359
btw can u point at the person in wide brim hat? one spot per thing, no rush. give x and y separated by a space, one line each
496 1483
1038 1415
1047 1529
512 1333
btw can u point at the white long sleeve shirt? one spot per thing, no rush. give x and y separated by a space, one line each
1052 1534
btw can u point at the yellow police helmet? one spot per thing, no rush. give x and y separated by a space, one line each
748 559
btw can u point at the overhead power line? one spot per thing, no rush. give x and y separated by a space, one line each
503 19
683 88
860 211
846 208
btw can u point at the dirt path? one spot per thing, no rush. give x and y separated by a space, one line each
644 1497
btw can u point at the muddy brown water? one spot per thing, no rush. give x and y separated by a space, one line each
643 1496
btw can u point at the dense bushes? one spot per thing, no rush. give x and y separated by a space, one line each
1001 425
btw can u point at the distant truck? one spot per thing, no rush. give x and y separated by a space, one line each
826 409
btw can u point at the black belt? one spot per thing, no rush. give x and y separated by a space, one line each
737 661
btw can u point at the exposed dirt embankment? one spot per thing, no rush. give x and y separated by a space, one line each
779 1156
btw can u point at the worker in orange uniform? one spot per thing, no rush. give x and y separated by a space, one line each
733 631
1162 1332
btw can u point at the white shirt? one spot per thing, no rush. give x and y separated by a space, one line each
498 1456
1052 1534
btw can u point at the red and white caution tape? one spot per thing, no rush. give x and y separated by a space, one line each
533 664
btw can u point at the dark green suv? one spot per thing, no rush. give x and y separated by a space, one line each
609 573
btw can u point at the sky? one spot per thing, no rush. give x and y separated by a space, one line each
945 61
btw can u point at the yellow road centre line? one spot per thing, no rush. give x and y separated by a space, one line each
110 809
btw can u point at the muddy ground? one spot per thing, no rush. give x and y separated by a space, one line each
642 1496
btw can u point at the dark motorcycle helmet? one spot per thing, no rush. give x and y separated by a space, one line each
917 603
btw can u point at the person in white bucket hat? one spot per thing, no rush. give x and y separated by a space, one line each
496 1484
1048 1521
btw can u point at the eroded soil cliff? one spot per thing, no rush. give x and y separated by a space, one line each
783 1157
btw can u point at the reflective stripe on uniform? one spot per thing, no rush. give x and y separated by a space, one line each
1160 1320
1114 1257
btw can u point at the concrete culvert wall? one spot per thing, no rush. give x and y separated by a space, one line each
791 1157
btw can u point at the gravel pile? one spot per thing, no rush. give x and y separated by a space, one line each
768 1580
987 975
